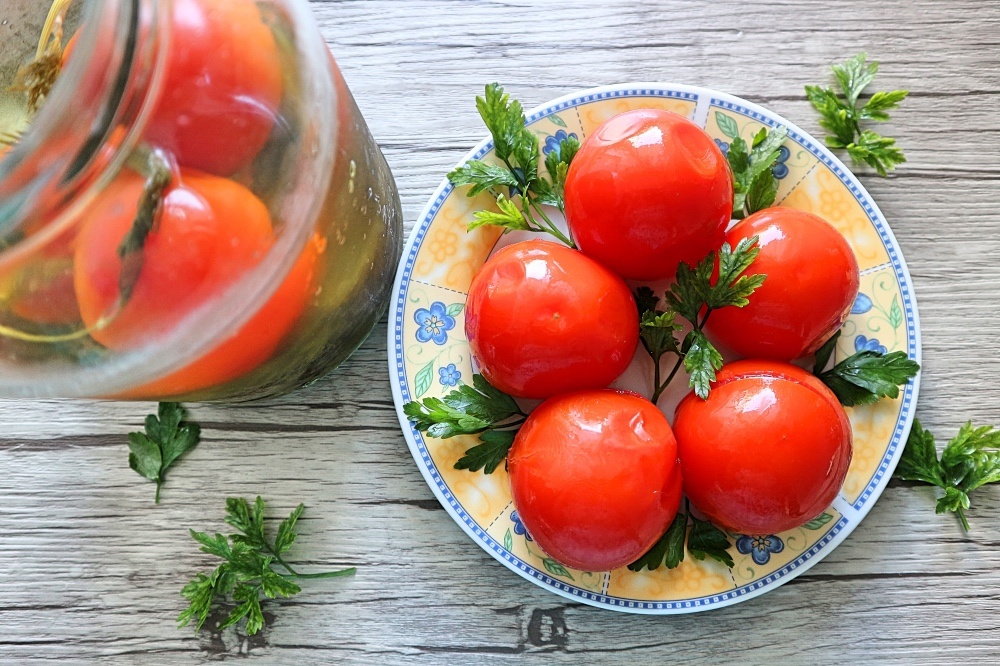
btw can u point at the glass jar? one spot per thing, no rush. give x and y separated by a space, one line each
195 210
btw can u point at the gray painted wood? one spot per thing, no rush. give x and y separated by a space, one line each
90 568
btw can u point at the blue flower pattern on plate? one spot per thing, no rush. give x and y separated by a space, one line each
552 142
780 169
861 343
434 323
760 547
449 375
723 146
862 304
519 526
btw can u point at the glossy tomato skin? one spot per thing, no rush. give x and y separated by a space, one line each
595 478
768 450
210 232
543 319
222 88
812 283
648 190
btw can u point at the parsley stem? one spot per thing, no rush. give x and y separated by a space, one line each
546 226
327 574
961 516
552 228
292 573
656 378
673 373
277 558
159 484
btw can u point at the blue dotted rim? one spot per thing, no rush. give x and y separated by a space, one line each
832 537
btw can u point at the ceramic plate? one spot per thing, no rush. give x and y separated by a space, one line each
429 355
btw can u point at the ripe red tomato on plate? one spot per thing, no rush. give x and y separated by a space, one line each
210 232
595 478
648 190
768 450
812 283
543 319
222 88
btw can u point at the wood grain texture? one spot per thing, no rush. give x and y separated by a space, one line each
90 568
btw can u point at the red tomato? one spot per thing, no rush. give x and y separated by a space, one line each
648 190
222 87
543 319
211 231
767 452
595 478
812 283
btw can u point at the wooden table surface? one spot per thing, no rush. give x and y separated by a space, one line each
90 569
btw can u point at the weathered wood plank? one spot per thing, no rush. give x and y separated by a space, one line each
90 568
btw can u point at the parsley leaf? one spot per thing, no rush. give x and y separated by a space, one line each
480 410
510 217
841 116
707 540
488 455
694 288
732 288
754 184
669 550
248 570
690 293
702 360
919 461
482 176
557 165
969 461
164 441
824 353
656 331
703 540
517 148
867 376
468 410
646 300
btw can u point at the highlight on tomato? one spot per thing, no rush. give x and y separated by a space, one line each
542 319
647 190
210 232
812 283
595 477
768 450
223 85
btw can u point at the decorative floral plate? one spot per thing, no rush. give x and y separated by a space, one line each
429 355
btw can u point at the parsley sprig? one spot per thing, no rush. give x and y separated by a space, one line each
703 540
841 115
969 461
248 571
865 377
517 148
694 297
165 440
480 409
754 184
